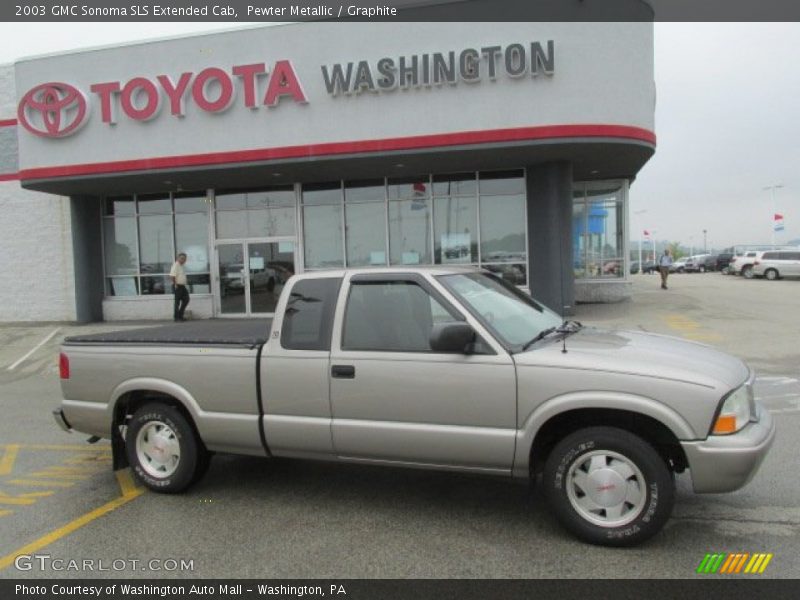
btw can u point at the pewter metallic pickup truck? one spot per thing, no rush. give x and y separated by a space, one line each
440 368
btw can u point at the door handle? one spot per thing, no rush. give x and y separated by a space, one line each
343 371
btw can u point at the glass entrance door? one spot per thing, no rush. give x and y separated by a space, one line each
252 274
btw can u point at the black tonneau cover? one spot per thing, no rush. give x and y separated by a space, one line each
239 332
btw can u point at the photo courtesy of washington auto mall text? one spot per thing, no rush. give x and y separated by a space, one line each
72 591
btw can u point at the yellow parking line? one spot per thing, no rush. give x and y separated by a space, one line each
9 456
35 483
5 513
55 535
37 494
67 476
82 470
703 337
126 483
15 500
71 447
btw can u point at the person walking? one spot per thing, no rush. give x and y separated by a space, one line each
664 263
178 275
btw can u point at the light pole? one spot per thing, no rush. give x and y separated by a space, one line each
641 266
772 189
705 240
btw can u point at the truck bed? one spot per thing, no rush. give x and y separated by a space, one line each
237 332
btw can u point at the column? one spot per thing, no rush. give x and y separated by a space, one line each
549 202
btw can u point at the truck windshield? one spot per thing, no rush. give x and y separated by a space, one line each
510 314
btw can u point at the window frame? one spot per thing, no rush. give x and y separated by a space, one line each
395 278
138 276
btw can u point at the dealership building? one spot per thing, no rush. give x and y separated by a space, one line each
274 150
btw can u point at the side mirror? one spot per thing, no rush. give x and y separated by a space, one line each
451 337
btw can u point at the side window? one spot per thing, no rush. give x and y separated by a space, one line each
771 256
308 320
794 255
394 316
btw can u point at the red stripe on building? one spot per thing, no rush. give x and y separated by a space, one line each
9 177
8 122
419 142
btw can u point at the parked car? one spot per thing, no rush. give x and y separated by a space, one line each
744 256
233 278
743 265
723 260
441 368
678 266
701 263
648 267
776 265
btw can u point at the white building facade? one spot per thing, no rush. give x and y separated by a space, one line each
275 150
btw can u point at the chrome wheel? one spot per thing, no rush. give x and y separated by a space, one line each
158 449
606 488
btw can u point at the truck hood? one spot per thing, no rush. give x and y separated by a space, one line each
640 353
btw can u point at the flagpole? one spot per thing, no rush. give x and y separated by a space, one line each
641 265
772 189
641 231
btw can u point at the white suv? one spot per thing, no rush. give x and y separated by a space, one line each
777 264
743 264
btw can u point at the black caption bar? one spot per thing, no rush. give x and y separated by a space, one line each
390 589
400 10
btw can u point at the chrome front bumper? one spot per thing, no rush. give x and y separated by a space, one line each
724 463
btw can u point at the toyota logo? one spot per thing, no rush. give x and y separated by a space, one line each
52 110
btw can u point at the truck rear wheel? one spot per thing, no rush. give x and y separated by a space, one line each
162 448
608 486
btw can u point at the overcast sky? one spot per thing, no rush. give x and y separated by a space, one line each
727 121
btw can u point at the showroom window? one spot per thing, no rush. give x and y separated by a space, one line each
409 221
365 222
597 230
461 218
323 225
256 214
503 247
142 234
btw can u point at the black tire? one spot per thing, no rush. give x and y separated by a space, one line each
271 284
747 271
771 274
162 448
640 518
203 463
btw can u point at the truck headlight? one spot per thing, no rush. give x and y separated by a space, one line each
735 412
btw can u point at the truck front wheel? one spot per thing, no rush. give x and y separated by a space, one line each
608 486
162 448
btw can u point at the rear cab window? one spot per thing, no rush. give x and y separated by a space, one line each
308 317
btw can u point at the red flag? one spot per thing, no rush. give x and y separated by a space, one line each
646 233
778 217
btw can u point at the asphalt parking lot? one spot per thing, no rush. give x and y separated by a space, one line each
257 518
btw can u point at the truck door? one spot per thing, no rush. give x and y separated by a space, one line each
294 370
394 399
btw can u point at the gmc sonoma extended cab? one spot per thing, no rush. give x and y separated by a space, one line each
440 368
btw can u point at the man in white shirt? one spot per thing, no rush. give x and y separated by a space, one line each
178 276
664 263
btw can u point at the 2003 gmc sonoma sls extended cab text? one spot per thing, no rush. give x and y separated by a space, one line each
441 368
